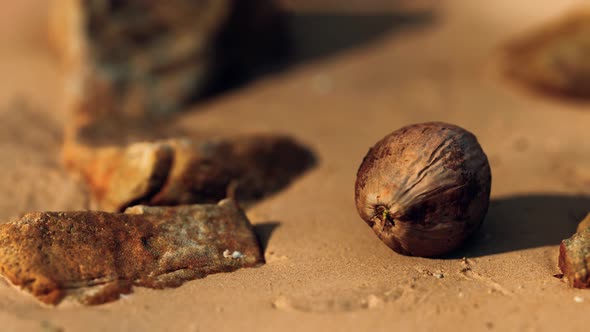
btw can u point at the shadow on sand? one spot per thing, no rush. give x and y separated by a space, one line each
305 37
264 231
524 222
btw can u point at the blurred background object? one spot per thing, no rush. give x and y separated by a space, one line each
126 62
141 59
165 56
554 58
360 6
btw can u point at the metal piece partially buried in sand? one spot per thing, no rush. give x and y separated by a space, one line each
94 257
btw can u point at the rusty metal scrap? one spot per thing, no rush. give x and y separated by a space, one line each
94 257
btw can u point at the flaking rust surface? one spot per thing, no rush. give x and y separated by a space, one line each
184 171
574 256
256 165
93 257
585 223
120 177
127 61
112 53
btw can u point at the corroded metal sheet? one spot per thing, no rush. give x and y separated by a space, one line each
574 256
183 171
94 257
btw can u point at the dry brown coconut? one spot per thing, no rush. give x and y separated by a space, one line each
93 257
424 188
181 171
555 58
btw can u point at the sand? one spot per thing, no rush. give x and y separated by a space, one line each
326 270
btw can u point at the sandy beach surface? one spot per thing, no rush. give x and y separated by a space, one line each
326 270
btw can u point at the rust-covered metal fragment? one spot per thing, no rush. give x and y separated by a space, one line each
119 177
555 58
93 257
133 59
256 165
183 171
585 223
574 256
